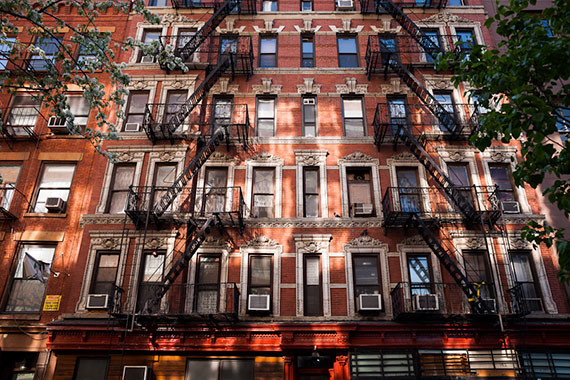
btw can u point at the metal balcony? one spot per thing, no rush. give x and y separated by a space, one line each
430 204
373 6
211 52
425 300
9 197
20 122
226 203
202 121
243 6
390 118
525 299
217 301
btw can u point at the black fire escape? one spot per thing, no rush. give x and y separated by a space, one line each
477 208
182 203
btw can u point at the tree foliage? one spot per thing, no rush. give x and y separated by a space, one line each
524 84
22 21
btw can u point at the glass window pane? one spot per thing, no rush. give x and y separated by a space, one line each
260 271
123 177
202 369
354 127
153 266
347 45
352 107
267 60
459 175
268 45
311 206
263 180
407 177
57 175
237 369
91 369
312 271
366 270
266 108
208 270
216 177
309 113
347 60
311 181
165 175
138 102
418 267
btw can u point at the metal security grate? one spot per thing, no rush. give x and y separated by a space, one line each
376 364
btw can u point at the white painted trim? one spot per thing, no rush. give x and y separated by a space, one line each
374 165
137 159
312 158
276 163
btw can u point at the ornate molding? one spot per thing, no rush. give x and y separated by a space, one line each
101 219
220 157
106 243
143 84
364 241
266 87
266 157
268 28
325 223
230 28
500 157
307 27
518 243
394 87
346 27
386 27
212 241
414 240
358 156
261 241
168 156
351 87
474 243
223 87
155 243
172 18
311 157
456 156
308 87
403 156
447 17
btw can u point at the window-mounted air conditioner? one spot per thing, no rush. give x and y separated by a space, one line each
426 302
490 304
136 372
511 207
370 302
258 302
147 59
57 125
132 127
97 301
344 4
362 209
55 204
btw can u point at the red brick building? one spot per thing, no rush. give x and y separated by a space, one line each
301 203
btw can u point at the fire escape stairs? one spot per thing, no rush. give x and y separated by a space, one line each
464 206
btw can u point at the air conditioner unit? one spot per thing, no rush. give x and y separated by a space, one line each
344 4
136 372
425 302
511 207
362 209
57 125
97 301
490 304
55 204
258 302
147 59
370 301
132 127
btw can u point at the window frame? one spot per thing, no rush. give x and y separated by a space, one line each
309 2
317 170
354 256
76 368
128 109
267 37
145 31
374 212
364 123
535 278
271 279
303 111
312 58
197 283
257 118
253 193
39 188
273 2
514 189
96 267
431 286
112 190
356 53
320 285
49 58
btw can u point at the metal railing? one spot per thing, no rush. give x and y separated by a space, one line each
203 120
212 49
390 118
373 6
20 121
191 300
409 298
243 7
9 196
524 299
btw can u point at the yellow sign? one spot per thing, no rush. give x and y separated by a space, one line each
51 303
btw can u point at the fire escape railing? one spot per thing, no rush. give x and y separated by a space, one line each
373 6
20 122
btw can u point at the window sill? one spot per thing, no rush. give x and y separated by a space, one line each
43 215
31 316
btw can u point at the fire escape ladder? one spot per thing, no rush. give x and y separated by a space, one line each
182 261
189 172
211 78
464 206
194 43
445 257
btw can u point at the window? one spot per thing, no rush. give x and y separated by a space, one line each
311 198
23 115
478 271
501 176
135 111
222 114
30 279
50 47
545 365
525 277
397 112
312 286
420 274
563 123
105 273
163 178
306 5
157 3
353 117
215 188
347 51
86 55
9 174
408 190
184 36
388 49
263 193
366 276
207 284
308 51
309 117
149 36
446 100
466 40
455 3
219 369
6 46
55 183
174 98
360 198
260 275
460 176
91 369
433 35
269 6
150 281
265 117
268 51
123 176
79 107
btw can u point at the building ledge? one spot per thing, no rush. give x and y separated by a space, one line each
43 215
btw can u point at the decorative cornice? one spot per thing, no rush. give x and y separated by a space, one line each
223 87
447 17
220 157
103 219
260 241
456 156
156 243
351 87
179 83
403 156
364 241
308 87
268 28
474 243
307 27
167 156
212 241
358 156
346 27
386 27
299 223
142 84
265 157
311 157
230 28
266 87
414 240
